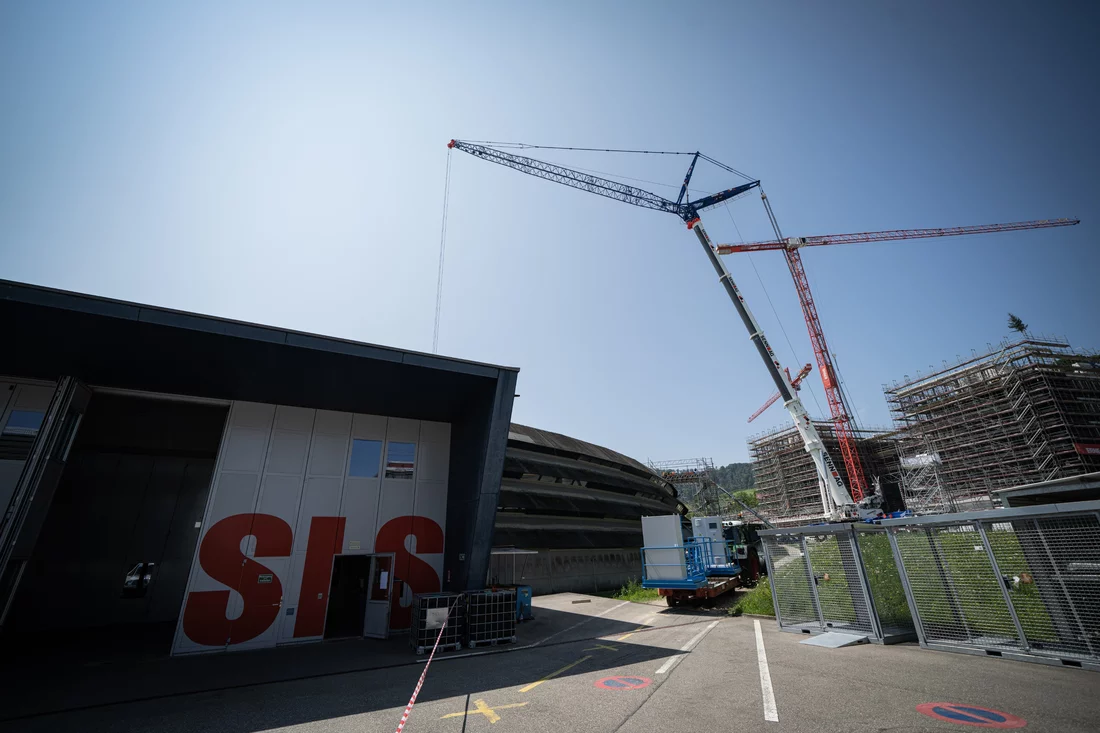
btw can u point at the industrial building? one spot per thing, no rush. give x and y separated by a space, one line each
1024 412
199 484
786 480
570 513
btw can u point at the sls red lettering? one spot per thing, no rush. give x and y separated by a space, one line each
326 537
418 575
204 618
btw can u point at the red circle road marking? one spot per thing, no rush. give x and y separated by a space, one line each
624 683
978 717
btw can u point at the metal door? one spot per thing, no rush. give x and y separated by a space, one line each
26 512
376 619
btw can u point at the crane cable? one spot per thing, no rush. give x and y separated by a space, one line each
529 146
775 313
442 250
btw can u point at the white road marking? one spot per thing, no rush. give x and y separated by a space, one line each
672 661
579 623
770 713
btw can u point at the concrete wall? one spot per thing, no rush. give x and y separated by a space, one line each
564 571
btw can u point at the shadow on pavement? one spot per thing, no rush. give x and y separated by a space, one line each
344 677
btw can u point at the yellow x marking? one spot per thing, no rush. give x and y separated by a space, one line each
602 646
482 708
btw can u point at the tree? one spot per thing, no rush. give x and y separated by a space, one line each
1016 324
748 496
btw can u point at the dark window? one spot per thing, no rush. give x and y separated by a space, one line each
366 455
24 422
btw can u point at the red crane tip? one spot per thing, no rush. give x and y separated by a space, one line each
451 144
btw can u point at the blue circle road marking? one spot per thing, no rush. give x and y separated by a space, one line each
623 683
979 717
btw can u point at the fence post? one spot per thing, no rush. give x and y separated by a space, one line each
1004 589
861 571
771 577
905 586
813 582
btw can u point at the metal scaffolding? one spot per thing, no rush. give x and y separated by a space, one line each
1025 411
786 481
694 482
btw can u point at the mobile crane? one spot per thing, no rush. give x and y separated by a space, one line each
835 497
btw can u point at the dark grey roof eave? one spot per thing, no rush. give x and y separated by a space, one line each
109 307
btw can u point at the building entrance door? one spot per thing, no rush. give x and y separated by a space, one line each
376 620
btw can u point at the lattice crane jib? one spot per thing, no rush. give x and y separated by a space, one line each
791 247
836 499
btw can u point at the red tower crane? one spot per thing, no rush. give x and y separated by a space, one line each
791 246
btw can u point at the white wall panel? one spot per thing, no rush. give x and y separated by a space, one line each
328 456
435 451
288 452
360 507
279 497
335 423
321 498
291 592
295 464
245 449
299 419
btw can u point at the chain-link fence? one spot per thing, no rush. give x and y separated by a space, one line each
1021 583
837 578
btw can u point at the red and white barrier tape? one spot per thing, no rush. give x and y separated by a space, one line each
420 682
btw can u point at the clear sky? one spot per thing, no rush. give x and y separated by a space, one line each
284 163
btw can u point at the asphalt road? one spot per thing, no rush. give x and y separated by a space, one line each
684 673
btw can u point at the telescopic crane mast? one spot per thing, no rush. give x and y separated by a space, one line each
834 494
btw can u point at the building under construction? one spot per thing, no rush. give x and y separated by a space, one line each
1024 412
786 481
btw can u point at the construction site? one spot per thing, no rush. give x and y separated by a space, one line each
1024 412
786 481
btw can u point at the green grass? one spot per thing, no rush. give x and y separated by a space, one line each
633 591
977 604
757 601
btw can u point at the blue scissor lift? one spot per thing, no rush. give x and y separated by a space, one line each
699 569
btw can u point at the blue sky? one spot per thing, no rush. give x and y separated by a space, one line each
284 163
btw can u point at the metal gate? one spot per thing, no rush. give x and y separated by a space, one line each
836 578
1021 583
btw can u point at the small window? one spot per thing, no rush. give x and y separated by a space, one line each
400 458
714 525
366 456
138 579
24 422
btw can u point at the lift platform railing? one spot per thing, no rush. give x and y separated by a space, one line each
717 557
682 566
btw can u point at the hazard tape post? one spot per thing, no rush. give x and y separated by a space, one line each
420 682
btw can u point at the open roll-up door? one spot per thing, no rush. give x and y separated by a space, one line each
23 517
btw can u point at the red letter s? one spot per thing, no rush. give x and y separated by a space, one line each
417 574
204 619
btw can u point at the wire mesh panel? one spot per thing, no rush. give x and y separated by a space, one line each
790 580
429 611
884 583
840 592
956 594
833 578
1050 568
1021 582
491 617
